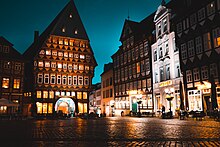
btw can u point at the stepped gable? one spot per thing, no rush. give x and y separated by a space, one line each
62 20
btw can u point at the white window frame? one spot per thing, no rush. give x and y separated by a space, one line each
53 78
191 50
80 80
183 51
40 76
198 42
46 77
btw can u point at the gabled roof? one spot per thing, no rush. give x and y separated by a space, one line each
13 53
62 20
131 25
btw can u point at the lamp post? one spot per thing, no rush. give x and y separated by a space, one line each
169 97
139 101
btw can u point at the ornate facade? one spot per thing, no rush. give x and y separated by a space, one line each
165 62
60 66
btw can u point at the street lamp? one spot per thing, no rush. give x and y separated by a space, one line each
169 97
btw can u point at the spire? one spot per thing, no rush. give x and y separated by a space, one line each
163 3
128 15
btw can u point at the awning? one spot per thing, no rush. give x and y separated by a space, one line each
8 103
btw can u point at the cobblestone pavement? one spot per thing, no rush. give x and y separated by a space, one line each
112 131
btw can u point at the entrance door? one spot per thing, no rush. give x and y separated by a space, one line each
208 103
66 105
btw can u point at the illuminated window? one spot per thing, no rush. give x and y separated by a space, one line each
64 66
54 53
65 42
138 67
18 66
60 54
5 82
73 93
47 64
70 15
86 80
74 80
80 80
44 107
66 54
40 64
46 78
79 95
70 55
64 80
50 107
207 41
38 94
69 80
75 67
48 52
59 79
70 66
53 64
53 79
71 43
16 84
40 78
42 52
3 109
45 94
7 65
84 95
81 67
82 56
51 94
60 41
59 65
76 55
39 108
216 37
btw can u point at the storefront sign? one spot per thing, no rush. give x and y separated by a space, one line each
165 83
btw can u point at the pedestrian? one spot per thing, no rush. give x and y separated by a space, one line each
163 109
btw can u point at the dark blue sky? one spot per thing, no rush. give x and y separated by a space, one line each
103 21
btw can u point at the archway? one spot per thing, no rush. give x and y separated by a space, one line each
66 105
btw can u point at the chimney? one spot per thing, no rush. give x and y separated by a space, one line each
36 36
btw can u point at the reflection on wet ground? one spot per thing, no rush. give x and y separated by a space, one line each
113 131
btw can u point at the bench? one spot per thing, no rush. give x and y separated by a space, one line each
199 115
152 114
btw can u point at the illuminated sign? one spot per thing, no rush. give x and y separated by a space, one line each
165 83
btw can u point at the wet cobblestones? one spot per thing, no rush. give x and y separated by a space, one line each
115 131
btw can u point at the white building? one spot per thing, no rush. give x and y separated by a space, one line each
165 63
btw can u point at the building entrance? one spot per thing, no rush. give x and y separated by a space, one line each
65 105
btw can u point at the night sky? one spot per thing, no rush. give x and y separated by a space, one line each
102 19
